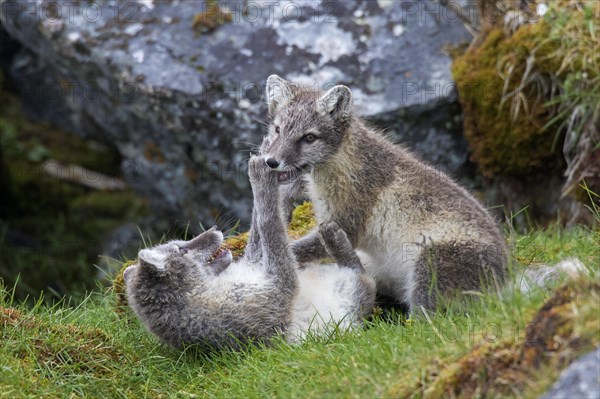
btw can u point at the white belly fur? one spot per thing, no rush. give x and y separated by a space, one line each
327 297
394 242
390 245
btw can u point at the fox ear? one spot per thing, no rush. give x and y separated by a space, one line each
336 102
152 259
278 92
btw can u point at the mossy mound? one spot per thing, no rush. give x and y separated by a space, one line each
522 90
118 287
563 329
500 142
303 221
62 348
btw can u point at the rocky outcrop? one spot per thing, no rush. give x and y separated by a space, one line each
177 87
580 380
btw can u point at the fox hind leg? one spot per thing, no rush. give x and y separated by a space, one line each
445 269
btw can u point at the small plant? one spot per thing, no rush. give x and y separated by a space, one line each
211 18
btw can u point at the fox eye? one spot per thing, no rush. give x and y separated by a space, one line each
277 129
309 138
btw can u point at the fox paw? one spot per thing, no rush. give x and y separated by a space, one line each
259 172
335 240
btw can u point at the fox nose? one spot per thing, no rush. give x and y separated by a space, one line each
272 163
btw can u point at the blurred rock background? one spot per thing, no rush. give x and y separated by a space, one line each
126 116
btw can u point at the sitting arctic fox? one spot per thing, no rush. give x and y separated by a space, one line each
191 292
421 235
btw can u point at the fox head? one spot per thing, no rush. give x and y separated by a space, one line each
307 126
166 272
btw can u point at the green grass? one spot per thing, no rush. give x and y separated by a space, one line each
90 351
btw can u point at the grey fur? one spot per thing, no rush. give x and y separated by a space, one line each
184 297
293 192
546 275
393 207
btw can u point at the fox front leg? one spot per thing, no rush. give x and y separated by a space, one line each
253 252
309 248
270 228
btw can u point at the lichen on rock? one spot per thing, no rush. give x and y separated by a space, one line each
183 108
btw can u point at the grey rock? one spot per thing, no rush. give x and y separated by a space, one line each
580 380
184 108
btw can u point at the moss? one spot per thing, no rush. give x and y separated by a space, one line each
237 244
534 67
118 287
62 348
153 153
35 142
501 145
474 375
192 175
38 194
104 204
303 220
561 326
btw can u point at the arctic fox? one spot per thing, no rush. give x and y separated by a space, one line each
191 292
422 233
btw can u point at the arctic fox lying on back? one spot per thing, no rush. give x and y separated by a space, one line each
191 292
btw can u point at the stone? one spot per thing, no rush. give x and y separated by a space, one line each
184 106
580 380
